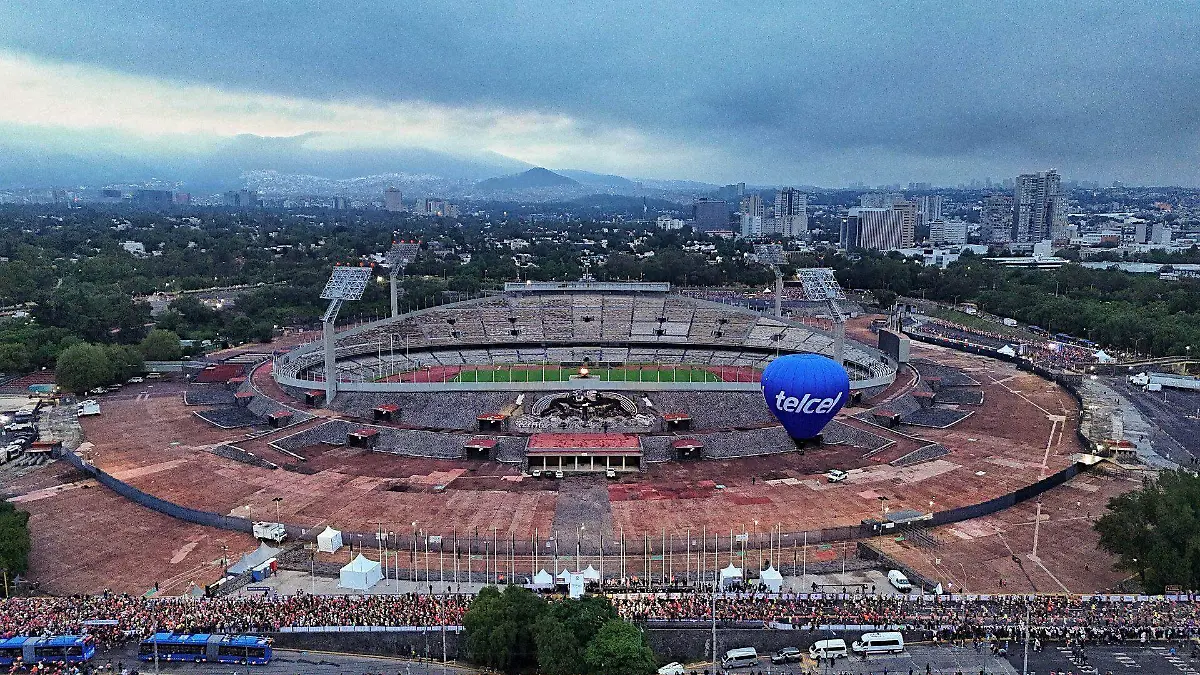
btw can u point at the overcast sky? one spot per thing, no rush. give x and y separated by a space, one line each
809 93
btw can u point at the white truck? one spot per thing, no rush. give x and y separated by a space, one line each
275 532
87 408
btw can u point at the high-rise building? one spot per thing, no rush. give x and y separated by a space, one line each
751 205
1140 233
949 232
1039 207
246 199
710 214
930 208
996 219
849 231
393 200
1160 234
791 213
881 229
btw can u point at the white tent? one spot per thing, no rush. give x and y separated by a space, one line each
1007 350
1103 357
564 577
542 580
360 574
771 579
590 574
730 575
254 558
329 541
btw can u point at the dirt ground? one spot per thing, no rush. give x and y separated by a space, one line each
1023 431
86 539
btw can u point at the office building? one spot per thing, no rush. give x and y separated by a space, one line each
393 200
1140 233
996 219
751 205
949 232
1039 207
732 194
753 226
1160 234
791 213
710 214
246 199
881 229
929 209
155 199
669 223
848 236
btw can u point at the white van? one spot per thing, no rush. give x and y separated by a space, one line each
898 581
740 658
828 649
879 643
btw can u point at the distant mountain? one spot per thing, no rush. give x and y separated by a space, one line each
533 179
617 184
99 160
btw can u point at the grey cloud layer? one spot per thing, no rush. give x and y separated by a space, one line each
788 91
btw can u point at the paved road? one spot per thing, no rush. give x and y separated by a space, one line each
1131 659
915 659
286 662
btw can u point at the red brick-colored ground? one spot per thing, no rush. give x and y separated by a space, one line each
86 538
1024 430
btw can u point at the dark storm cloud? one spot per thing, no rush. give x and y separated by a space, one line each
785 91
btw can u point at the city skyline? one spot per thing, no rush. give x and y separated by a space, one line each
645 90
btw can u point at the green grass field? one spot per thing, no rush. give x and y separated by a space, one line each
560 374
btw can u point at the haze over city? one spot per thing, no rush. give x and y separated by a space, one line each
807 93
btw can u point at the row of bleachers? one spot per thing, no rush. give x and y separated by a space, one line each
569 318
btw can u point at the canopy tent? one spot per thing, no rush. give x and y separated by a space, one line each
730 576
771 579
330 540
590 574
564 577
1007 350
542 580
254 558
360 574
1103 357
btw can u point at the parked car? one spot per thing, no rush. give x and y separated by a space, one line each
135 380
836 475
673 668
558 474
787 655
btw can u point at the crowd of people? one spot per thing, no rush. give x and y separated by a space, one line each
1052 617
113 618
137 617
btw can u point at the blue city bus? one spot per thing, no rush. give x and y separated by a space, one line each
215 648
56 649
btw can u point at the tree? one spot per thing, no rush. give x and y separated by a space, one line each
1155 531
126 361
82 367
161 345
14 357
619 648
565 630
14 540
884 298
500 628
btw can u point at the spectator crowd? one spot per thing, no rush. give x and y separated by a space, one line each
113 618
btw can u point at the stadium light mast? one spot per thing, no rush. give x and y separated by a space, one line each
820 284
772 255
345 284
397 258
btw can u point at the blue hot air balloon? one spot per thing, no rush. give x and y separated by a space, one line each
805 391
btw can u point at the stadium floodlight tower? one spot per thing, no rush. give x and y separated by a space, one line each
772 256
346 283
820 284
398 258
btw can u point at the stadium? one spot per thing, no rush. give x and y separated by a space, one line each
584 416
567 364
